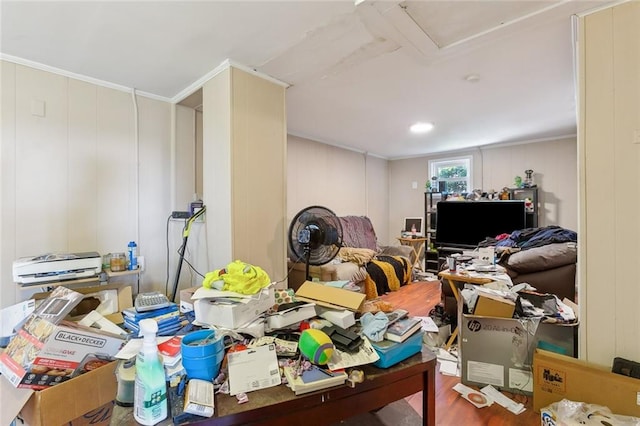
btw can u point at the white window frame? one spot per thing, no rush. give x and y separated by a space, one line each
465 160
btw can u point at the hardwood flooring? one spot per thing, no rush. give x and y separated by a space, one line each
451 409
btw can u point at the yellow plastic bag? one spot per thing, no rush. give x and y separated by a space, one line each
238 276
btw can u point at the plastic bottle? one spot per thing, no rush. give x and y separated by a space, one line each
150 392
133 255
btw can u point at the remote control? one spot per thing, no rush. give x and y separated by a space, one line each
149 301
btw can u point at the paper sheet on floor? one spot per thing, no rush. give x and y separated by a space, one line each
446 356
475 397
515 407
449 368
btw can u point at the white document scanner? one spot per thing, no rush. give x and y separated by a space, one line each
56 267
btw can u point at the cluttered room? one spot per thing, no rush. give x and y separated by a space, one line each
322 213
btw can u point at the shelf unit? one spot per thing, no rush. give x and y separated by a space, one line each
430 217
531 212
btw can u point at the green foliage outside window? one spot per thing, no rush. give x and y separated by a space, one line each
452 172
450 175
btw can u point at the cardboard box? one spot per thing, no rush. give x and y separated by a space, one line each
89 395
124 295
67 351
558 377
186 299
499 351
231 312
331 297
489 305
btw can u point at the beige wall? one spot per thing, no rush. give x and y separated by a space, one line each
555 172
244 173
88 176
610 183
335 177
347 182
71 179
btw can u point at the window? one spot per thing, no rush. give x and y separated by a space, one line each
453 175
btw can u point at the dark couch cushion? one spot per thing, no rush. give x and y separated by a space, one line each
542 258
560 281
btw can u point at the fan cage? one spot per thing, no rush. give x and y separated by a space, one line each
324 235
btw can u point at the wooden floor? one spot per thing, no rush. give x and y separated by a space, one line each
451 409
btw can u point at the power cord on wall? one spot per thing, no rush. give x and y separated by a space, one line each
179 251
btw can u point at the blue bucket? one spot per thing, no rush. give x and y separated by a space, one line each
202 354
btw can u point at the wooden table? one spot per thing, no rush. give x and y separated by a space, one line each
452 279
278 405
417 247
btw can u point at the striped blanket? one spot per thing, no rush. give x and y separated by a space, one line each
385 274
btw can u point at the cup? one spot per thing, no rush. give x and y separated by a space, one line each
451 264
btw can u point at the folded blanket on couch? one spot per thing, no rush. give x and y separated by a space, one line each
385 274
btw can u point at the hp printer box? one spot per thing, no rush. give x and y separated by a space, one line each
499 351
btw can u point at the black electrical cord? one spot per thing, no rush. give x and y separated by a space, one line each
166 283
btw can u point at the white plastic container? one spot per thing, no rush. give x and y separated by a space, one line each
150 392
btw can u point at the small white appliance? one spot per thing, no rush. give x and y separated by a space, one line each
56 267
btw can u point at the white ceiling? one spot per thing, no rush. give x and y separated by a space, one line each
359 75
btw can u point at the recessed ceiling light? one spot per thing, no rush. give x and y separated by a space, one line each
421 127
472 78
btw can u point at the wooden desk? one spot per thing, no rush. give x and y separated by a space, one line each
278 405
452 279
417 247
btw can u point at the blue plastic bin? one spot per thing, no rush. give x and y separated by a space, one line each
392 353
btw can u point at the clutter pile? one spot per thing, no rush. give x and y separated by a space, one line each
235 334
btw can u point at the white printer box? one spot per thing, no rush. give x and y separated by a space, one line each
499 351
228 309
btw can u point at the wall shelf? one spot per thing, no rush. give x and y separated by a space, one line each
430 218
105 276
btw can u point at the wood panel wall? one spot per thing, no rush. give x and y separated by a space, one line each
609 156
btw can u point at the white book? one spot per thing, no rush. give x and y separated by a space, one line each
314 379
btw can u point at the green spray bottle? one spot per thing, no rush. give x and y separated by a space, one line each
150 392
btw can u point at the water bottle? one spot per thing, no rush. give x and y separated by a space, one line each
133 255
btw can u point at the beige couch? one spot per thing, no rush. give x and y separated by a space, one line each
351 263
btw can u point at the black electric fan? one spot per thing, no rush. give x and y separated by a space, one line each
315 235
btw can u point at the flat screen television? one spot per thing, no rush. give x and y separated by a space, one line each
467 223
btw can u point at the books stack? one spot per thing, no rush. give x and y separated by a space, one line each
170 351
168 319
316 378
403 328
402 339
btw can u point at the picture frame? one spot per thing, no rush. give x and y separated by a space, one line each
409 222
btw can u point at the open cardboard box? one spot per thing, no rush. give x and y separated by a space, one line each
125 300
90 394
490 305
558 377
330 297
